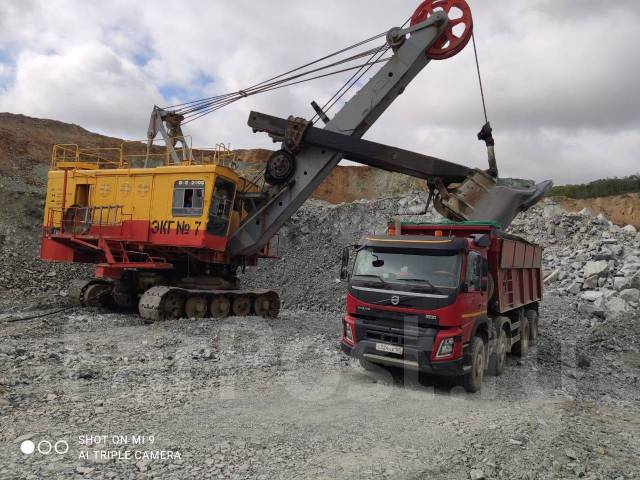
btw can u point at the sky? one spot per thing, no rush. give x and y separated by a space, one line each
560 76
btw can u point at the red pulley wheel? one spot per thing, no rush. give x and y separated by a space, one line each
449 43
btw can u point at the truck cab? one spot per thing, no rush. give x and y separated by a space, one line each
419 296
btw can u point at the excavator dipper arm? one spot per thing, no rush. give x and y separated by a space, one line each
374 154
313 164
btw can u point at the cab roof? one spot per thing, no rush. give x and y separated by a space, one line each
416 242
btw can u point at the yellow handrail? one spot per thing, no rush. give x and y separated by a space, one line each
117 157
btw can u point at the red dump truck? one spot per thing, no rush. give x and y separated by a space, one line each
448 299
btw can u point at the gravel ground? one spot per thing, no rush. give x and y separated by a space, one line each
249 398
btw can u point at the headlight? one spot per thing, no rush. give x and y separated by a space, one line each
347 331
446 347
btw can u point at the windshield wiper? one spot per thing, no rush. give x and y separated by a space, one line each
420 280
377 277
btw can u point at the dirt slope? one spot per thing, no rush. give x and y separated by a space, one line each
620 209
26 142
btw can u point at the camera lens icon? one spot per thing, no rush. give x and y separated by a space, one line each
44 447
27 447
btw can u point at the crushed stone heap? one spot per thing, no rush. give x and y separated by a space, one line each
587 258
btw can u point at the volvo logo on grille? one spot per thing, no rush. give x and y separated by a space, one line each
395 300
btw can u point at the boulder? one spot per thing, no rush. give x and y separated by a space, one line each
621 283
590 283
630 295
551 210
574 288
595 268
585 212
630 229
591 295
616 305
552 277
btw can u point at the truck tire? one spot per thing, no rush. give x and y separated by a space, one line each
521 347
499 359
472 381
532 316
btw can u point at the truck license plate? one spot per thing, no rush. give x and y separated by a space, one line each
384 347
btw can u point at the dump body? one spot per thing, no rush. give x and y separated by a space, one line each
420 295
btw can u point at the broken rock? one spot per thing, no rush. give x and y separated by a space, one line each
616 305
595 268
631 295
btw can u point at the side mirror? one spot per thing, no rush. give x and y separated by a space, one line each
344 264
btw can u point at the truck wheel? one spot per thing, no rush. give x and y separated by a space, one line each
532 315
521 347
472 381
496 366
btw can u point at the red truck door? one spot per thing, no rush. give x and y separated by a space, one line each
474 301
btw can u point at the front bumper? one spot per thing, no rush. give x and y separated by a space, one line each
411 359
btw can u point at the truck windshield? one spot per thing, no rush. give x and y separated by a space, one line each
427 268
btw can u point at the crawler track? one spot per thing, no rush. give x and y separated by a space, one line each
166 302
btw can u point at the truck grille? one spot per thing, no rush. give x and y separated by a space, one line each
406 334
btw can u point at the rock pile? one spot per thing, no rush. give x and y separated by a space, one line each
586 257
311 242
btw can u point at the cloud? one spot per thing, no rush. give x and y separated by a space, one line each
88 84
560 76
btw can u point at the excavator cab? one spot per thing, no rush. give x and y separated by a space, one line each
220 212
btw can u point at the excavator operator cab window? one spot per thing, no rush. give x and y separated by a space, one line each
188 198
221 205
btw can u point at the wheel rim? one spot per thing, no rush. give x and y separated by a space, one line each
479 364
502 349
241 306
196 307
220 307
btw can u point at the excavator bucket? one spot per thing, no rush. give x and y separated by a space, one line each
480 197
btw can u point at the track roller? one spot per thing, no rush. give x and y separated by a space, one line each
220 306
172 305
241 306
165 303
196 306
267 305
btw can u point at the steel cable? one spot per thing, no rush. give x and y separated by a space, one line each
202 104
225 100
